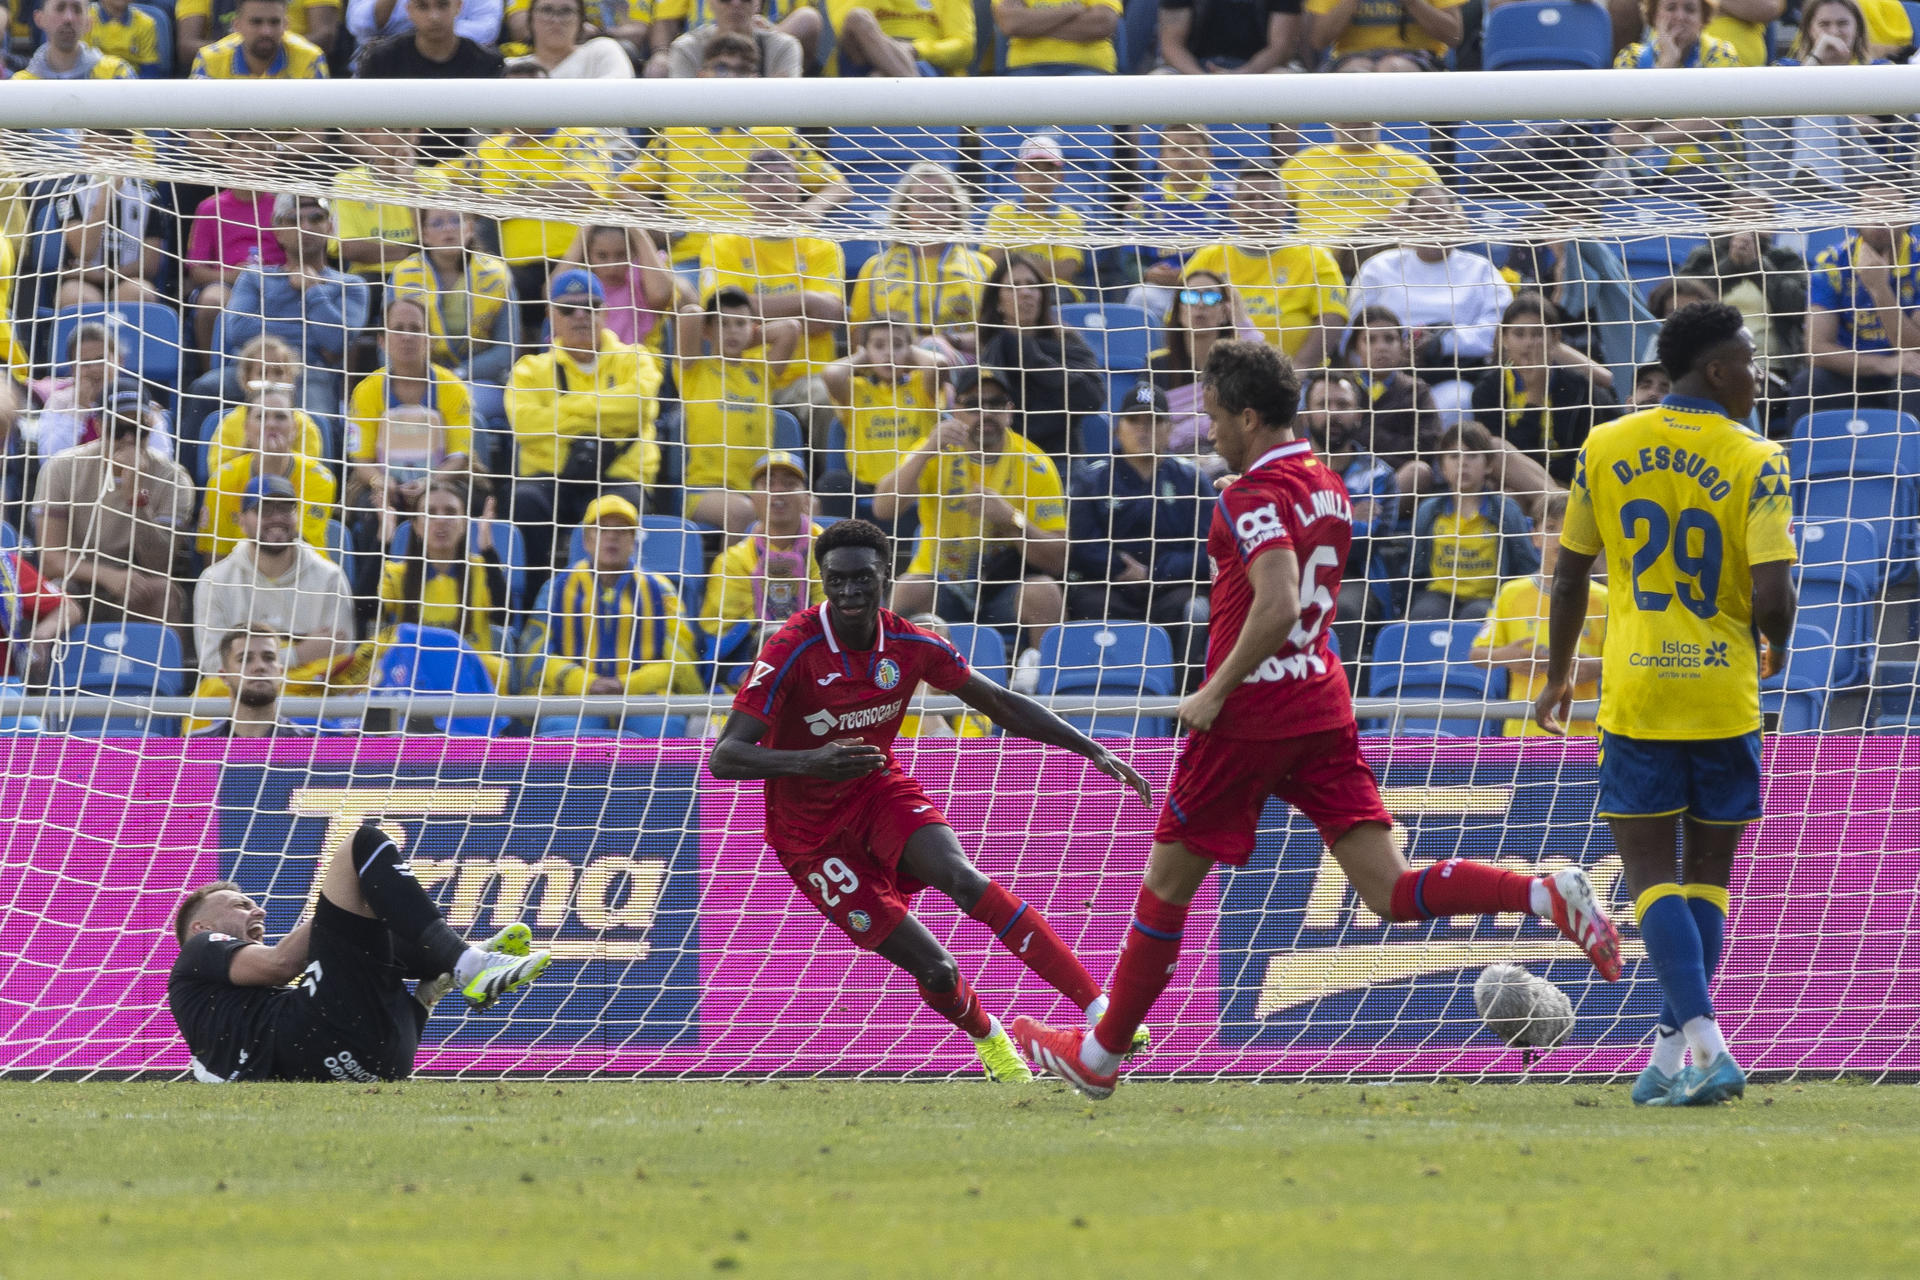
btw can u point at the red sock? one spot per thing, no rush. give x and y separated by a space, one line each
1025 932
1459 888
961 1007
1146 966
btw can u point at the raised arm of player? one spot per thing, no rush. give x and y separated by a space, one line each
1566 619
1271 618
740 757
261 965
1025 718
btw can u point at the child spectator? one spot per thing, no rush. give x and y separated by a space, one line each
1469 537
264 363
1401 422
1515 634
726 363
888 391
639 285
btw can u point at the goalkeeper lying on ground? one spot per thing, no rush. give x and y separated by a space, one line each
328 1001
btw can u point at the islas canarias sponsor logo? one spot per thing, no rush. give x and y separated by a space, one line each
586 906
1304 974
822 723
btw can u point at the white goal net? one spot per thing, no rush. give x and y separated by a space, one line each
475 461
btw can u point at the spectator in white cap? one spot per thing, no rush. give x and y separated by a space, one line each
1038 223
769 575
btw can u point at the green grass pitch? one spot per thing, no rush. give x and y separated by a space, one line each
848 1179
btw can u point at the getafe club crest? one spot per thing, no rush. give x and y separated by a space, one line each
859 921
887 674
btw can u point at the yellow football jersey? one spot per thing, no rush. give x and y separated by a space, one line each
1283 289
1520 613
1684 501
953 541
886 418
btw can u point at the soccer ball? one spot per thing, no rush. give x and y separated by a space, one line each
1522 1008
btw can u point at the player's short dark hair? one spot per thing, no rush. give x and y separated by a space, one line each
184 916
853 533
1252 375
1694 330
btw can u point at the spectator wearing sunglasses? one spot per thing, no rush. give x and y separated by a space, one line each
1204 311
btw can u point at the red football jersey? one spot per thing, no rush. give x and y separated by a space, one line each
1285 499
812 690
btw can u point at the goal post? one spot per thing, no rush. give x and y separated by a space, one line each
372 293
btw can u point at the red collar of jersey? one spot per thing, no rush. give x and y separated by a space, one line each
833 641
1291 449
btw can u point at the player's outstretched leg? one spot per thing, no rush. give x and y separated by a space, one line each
946 991
514 940
1396 892
1090 1060
377 876
933 856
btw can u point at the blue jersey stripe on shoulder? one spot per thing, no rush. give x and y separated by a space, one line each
787 666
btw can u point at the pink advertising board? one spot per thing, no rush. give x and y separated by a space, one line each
685 949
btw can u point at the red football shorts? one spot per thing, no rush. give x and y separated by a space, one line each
854 878
1221 784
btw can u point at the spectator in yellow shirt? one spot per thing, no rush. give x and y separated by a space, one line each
471 305
898 38
1293 292
993 518
1514 636
564 170
404 421
260 48
725 364
1354 184
130 35
375 225
200 22
582 415
759 582
930 275
450 577
1384 35
269 451
1059 37
700 174
1037 224
799 278
888 391
264 362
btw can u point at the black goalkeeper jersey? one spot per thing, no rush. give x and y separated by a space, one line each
228 1029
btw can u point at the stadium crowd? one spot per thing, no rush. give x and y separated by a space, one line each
395 414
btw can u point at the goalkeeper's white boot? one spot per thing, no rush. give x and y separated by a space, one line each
514 940
999 1059
501 973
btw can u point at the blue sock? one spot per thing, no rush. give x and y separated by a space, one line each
1674 945
1708 904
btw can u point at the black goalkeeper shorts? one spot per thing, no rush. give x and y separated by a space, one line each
352 1018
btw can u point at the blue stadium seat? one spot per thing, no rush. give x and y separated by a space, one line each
339 542
1862 465
1107 658
1122 337
1428 660
1547 35
1651 259
9 537
509 544
11 690
131 660
1798 695
425 660
1838 580
787 433
984 648
150 339
163 22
